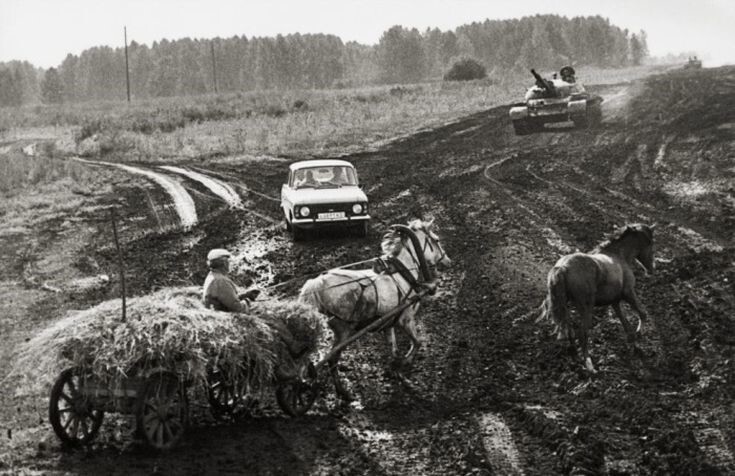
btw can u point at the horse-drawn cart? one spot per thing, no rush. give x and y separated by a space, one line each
145 366
158 400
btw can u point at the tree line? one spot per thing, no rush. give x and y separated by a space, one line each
196 66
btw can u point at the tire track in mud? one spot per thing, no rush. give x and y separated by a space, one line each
255 198
710 438
182 201
509 449
552 237
219 188
237 182
502 453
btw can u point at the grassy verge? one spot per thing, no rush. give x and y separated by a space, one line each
41 188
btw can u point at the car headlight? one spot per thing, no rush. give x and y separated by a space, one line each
304 211
357 209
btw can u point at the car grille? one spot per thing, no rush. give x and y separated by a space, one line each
332 207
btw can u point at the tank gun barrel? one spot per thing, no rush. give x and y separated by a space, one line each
542 83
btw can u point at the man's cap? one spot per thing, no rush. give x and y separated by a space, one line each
218 253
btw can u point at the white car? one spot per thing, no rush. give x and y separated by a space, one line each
322 193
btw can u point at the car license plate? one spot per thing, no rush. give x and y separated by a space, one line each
331 215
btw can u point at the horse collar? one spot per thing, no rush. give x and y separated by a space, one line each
420 258
404 272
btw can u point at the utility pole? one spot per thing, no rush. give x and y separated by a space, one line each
214 66
120 261
127 68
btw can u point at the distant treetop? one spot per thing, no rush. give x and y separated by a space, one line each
298 61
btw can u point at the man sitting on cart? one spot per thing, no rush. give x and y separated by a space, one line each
220 293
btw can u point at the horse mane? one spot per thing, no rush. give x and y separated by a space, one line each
621 232
391 244
392 239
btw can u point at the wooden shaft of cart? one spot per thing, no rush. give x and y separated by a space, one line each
377 324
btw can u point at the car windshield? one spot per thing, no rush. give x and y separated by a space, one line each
325 177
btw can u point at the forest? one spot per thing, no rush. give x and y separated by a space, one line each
318 61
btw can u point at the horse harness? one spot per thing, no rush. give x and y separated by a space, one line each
390 266
428 244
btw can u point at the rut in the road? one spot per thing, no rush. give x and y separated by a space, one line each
219 188
183 203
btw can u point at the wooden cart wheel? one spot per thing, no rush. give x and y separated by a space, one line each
72 414
163 410
297 395
226 400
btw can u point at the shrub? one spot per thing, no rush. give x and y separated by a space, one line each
48 148
272 110
465 69
373 98
170 122
89 128
398 91
143 125
193 114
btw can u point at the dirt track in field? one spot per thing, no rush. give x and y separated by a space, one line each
492 392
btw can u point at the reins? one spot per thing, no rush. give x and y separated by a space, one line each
345 283
401 269
317 273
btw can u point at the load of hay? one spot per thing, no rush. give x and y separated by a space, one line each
171 329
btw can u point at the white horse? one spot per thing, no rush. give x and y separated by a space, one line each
355 298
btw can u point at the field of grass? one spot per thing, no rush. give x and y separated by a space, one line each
292 123
270 123
37 189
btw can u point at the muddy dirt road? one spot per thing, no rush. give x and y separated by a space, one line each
492 392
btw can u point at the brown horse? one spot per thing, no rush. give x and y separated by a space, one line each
603 277
354 298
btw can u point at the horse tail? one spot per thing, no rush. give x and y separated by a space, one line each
555 304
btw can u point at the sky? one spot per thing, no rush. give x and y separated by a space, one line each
43 32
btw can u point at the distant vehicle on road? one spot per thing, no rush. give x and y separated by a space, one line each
693 63
556 100
322 193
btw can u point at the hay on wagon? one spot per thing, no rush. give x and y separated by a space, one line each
172 330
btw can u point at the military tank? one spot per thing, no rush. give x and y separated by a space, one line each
556 100
693 63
